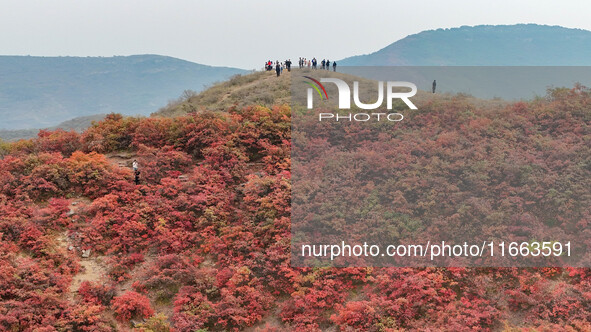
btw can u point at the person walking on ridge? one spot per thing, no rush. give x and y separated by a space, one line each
334 66
434 85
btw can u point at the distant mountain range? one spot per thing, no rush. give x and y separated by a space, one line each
42 92
78 124
39 92
485 45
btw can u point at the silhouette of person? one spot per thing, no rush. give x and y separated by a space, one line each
334 66
327 64
278 69
434 85
137 178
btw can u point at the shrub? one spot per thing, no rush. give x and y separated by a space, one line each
132 305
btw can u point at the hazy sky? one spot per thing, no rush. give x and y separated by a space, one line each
245 33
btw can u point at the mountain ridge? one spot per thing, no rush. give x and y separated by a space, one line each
485 45
37 92
78 124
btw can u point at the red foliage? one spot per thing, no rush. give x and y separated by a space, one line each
65 142
92 175
357 315
87 318
215 243
236 300
132 305
96 293
162 162
111 134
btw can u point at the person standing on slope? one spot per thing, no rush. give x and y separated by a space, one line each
278 69
137 178
434 85
136 171
334 66
327 64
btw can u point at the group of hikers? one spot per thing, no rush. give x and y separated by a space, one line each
278 66
303 62
324 64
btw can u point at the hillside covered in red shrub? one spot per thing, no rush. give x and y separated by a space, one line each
203 242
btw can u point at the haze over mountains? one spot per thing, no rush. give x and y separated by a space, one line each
485 45
38 92
41 92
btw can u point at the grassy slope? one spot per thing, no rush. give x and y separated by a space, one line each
262 88
265 88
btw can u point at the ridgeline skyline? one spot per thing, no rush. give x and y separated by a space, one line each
218 33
